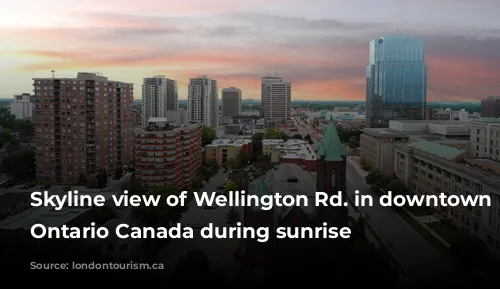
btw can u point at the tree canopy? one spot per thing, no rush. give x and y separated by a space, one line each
20 165
208 134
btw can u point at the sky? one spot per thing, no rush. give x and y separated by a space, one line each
321 46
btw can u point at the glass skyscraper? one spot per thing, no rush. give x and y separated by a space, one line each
396 80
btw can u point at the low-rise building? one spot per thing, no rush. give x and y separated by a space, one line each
166 155
268 145
226 150
295 151
377 144
232 129
431 168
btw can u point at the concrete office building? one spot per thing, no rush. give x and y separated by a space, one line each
485 138
377 144
82 124
431 168
490 107
231 101
203 101
159 95
276 100
23 105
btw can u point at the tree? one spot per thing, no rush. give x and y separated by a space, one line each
297 136
102 178
353 143
20 165
284 136
243 158
311 142
272 133
397 187
257 144
118 173
208 134
230 186
307 137
82 179
232 216
263 163
378 180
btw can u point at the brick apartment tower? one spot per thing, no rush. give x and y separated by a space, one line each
167 156
83 124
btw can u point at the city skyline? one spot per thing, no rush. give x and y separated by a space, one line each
321 47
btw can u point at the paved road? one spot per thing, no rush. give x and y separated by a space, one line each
219 251
418 258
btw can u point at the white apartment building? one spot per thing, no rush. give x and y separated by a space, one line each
485 138
22 107
203 101
231 101
276 100
159 96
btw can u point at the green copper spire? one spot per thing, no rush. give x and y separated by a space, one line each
330 147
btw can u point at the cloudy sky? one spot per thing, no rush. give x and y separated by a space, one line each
319 45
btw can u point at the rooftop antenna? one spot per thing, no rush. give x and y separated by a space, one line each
53 73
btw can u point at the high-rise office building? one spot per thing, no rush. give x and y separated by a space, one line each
22 106
82 125
396 80
203 101
275 100
490 107
231 101
159 95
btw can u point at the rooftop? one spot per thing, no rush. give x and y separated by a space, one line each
229 142
268 142
436 149
48 216
296 149
487 120
330 146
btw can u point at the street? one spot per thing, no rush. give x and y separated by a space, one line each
416 256
220 252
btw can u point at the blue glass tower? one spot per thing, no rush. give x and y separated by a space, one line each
396 80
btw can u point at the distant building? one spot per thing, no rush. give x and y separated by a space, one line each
396 81
82 124
224 151
490 107
232 129
377 144
159 95
176 117
23 105
447 114
167 156
203 101
276 100
231 101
